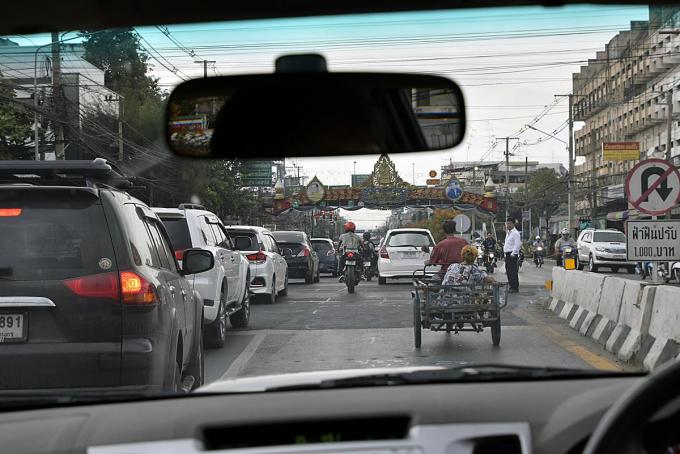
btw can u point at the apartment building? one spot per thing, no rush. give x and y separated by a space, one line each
623 94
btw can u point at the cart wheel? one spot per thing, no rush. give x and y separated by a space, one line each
496 333
449 326
417 328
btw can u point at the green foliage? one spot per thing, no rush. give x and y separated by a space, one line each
15 123
545 193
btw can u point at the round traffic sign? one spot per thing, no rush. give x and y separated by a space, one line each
653 186
463 223
453 190
433 173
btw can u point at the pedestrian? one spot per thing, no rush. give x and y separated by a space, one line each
448 250
511 248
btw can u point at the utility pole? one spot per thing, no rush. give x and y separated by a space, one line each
669 130
205 66
57 97
570 181
507 173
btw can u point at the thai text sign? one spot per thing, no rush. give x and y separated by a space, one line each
654 241
621 151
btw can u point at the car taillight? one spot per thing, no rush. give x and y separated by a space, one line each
258 257
10 212
350 255
383 253
133 288
330 252
304 252
179 255
136 289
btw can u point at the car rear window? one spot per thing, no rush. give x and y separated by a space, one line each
418 239
288 237
53 237
178 230
609 237
244 240
322 246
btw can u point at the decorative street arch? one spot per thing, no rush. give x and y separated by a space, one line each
384 189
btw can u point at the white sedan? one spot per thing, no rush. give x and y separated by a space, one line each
403 251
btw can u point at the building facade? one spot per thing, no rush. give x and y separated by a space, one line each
623 95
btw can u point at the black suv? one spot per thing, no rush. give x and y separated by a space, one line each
302 259
91 295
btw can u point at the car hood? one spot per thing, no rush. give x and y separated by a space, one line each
265 382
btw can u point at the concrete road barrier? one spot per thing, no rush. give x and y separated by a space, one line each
638 322
664 327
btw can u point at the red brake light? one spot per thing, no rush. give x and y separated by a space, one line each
133 288
179 255
383 253
258 257
10 212
304 252
103 285
350 255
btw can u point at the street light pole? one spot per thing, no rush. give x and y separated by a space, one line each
507 173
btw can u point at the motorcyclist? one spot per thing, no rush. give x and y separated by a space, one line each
561 243
537 242
489 243
538 254
348 240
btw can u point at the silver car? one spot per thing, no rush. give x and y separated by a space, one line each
603 247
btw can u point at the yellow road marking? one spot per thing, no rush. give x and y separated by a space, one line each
590 357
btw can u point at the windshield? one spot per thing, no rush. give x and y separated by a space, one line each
609 237
86 239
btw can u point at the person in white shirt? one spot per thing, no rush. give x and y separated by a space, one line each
513 243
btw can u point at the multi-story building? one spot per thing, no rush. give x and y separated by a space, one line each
621 95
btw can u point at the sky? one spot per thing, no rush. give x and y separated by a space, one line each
510 63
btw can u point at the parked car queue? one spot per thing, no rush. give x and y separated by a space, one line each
92 277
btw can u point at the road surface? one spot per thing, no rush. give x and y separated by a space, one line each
321 326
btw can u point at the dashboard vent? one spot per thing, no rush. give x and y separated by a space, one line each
305 432
506 444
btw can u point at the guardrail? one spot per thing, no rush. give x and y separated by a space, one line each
637 321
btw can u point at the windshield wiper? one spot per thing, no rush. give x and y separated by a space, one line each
461 374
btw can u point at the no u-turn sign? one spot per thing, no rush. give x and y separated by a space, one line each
653 186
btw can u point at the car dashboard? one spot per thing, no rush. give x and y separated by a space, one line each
551 416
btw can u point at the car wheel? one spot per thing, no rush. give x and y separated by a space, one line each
382 280
318 276
591 265
284 292
241 318
271 297
309 278
579 264
197 367
216 332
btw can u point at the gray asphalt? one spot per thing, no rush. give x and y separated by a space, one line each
321 326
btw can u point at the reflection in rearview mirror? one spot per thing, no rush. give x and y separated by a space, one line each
318 114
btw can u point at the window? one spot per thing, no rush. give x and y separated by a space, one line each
207 232
274 246
178 230
141 244
609 237
163 250
417 239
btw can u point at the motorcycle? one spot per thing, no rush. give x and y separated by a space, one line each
350 272
538 256
668 271
566 257
369 268
644 269
489 260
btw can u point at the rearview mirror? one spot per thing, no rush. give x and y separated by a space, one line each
314 114
196 261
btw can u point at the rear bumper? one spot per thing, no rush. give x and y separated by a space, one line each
81 365
298 268
388 269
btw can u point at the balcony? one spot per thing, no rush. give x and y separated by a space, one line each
587 109
641 125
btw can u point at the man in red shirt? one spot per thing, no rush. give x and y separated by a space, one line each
448 250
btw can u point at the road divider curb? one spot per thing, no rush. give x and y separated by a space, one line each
638 322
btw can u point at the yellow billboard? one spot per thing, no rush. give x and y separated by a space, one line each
620 151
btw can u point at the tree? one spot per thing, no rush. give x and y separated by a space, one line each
126 71
545 194
434 224
15 124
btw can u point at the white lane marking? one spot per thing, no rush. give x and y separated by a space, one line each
315 311
372 340
246 355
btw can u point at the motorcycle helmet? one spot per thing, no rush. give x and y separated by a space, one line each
538 238
565 233
349 226
367 236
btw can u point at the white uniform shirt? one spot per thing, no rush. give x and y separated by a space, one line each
513 242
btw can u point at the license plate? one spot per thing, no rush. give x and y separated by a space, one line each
410 254
350 262
13 328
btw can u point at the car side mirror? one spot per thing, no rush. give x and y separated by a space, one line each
196 261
